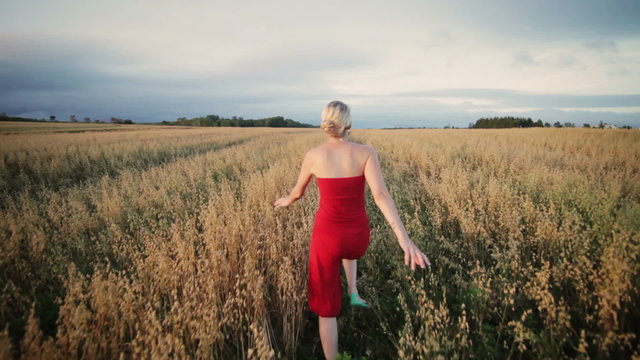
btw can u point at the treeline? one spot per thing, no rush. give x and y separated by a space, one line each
115 120
506 122
514 122
215 120
72 118
5 117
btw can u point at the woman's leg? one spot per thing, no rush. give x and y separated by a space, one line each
350 268
329 336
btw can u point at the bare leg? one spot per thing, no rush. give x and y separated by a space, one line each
329 336
350 267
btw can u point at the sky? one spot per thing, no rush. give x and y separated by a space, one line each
396 64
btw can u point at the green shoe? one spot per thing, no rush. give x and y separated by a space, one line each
357 301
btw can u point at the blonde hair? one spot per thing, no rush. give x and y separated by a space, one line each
336 119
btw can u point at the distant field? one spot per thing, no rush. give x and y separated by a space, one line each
19 126
157 241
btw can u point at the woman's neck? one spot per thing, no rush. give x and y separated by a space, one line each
338 140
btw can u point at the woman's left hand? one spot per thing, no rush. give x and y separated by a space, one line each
413 256
283 202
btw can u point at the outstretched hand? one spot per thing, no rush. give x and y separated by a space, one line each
413 256
283 202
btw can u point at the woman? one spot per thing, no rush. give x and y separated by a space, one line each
341 228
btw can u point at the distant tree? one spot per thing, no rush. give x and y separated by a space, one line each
236 121
276 121
87 119
586 125
601 125
246 123
506 122
212 120
183 121
546 124
569 124
72 118
528 123
626 127
116 120
557 124
52 118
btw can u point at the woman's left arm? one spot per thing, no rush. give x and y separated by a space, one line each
301 185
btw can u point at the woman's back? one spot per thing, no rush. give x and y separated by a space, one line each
339 159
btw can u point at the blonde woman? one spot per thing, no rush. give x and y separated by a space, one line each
341 228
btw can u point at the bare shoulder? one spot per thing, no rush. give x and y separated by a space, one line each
366 149
316 150
313 153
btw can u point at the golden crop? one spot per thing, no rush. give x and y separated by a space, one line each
161 242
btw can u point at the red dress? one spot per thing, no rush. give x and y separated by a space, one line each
340 231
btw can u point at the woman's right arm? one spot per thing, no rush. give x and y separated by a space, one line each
301 185
412 254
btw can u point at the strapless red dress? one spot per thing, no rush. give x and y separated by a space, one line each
341 231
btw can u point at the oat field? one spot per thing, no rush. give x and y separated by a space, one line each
161 242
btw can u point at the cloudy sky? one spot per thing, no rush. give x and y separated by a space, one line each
400 63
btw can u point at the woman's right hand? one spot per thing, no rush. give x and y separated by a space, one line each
413 255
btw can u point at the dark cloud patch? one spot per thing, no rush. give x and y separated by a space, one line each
572 101
602 46
61 77
69 77
25 76
513 99
53 64
521 99
551 20
523 58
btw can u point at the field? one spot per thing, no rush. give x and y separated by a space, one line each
161 242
